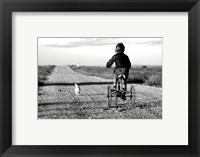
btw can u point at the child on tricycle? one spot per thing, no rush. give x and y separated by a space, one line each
122 66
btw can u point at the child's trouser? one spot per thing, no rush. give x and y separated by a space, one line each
121 71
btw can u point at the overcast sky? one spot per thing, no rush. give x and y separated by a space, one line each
97 51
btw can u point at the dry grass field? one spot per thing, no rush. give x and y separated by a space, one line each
151 75
44 71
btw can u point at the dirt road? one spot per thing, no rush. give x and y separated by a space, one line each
60 101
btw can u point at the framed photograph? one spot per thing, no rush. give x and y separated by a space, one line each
107 78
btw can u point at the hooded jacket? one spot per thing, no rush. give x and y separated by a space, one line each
121 60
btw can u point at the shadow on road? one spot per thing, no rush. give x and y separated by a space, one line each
92 94
71 103
72 84
80 105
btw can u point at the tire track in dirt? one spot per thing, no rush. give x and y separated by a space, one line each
60 102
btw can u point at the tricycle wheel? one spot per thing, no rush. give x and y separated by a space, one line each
132 97
109 95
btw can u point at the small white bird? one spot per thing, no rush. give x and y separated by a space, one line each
77 89
78 65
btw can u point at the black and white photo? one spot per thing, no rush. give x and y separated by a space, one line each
100 78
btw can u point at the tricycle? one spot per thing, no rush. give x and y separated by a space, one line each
118 91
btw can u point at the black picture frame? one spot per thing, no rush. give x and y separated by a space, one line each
9 6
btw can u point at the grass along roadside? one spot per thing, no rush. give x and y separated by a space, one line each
44 71
151 76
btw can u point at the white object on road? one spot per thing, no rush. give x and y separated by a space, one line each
77 89
78 65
